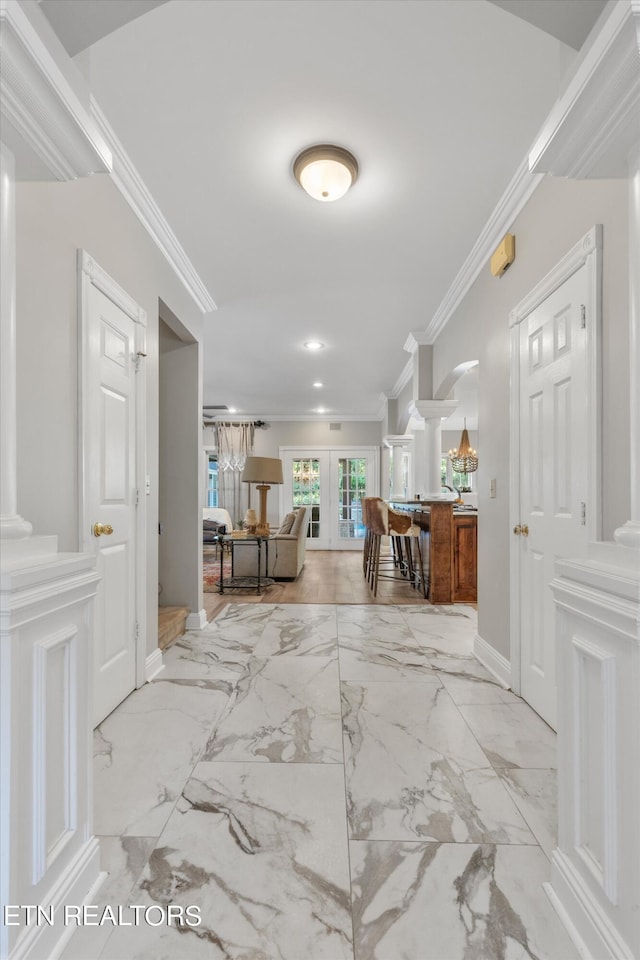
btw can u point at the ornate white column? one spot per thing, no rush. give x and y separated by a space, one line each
12 526
433 412
398 444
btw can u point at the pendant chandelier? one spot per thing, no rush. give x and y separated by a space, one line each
464 459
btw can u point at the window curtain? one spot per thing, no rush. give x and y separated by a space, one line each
235 443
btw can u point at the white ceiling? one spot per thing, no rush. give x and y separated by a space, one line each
438 99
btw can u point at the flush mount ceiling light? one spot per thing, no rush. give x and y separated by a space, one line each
318 384
325 171
313 345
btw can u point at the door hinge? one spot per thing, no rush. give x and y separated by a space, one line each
137 631
137 501
583 316
583 513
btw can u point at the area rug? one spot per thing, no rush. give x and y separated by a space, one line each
211 572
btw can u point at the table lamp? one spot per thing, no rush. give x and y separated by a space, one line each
264 471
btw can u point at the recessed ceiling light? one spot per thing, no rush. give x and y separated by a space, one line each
325 171
232 410
321 410
318 384
313 345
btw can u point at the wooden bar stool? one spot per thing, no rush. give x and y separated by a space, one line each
405 540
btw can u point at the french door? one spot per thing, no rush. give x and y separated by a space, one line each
331 482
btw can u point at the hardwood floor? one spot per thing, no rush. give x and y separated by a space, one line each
328 576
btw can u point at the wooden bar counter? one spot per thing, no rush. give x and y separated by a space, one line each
449 541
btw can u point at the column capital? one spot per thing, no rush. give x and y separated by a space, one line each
397 440
417 339
433 409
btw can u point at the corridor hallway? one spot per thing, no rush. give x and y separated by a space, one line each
327 782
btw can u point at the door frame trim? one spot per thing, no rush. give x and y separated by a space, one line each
91 274
310 449
586 252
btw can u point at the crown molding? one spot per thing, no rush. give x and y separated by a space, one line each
307 418
38 103
403 380
135 192
520 189
596 122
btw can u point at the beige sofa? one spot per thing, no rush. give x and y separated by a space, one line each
286 551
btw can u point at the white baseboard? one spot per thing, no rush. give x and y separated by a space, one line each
592 931
197 620
154 664
496 664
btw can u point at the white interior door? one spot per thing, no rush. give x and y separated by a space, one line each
553 474
110 345
330 481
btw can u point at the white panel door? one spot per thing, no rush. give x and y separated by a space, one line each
109 356
553 474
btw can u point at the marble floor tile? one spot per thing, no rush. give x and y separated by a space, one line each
123 859
207 655
449 799
442 622
475 688
535 793
374 618
376 644
414 770
431 901
261 850
242 621
145 750
395 657
512 735
285 710
300 629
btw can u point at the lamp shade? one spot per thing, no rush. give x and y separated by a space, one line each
262 470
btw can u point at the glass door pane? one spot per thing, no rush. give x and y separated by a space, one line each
306 491
352 487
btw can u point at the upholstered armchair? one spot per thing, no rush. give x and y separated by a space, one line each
287 548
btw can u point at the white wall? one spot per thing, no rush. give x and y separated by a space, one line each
559 213
306 433
53 221
180 474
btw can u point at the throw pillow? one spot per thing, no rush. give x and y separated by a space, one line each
287 523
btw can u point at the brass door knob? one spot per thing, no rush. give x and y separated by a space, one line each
517 530
525 530
102 528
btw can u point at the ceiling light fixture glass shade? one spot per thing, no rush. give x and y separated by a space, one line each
325 171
